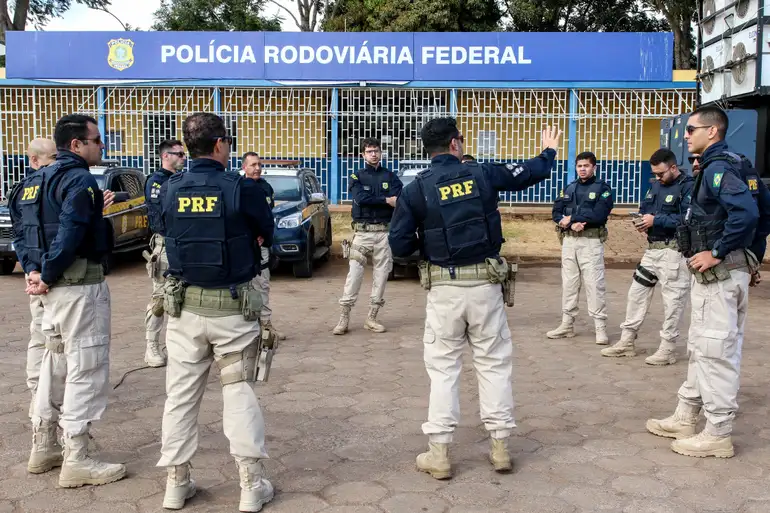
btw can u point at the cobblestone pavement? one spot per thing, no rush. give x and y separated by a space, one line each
344 413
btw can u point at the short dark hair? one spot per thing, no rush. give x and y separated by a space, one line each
715 116
370 142
167 145
663 155
437 134
468 157
586 155
249 154
201 131
70 128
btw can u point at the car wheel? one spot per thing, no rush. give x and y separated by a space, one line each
304 269
108 262
8 266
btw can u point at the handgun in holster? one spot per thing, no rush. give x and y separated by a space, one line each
267 348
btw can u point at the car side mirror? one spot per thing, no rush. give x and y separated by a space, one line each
317 197
120 197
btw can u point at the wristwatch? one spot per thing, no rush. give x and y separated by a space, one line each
715 253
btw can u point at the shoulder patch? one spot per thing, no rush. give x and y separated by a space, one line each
561 194
606 194
753 183
353 176
717 179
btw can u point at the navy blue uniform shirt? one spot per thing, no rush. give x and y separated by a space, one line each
594 214
18 232
723 183
369 187
501 177
152 199
667 219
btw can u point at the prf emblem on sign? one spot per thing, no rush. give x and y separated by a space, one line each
121 56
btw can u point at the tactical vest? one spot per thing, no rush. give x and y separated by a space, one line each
37 235
462 224
152 198
706 217
665 200
208 243
376 184
571 201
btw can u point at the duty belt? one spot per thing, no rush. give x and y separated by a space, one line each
213 302
661 244
475 272
82 272
371 227
591 233
738 260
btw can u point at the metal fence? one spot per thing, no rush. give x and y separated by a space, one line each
322 127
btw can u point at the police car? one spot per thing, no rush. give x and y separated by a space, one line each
303 224
407 172
127 216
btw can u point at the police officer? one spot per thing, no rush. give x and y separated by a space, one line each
65 239
212 220
581 214
374 190
453 206
172 159
721 224
41 152
252 168
662 211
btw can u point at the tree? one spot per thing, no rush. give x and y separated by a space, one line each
680 15
580 16
39 12
410 16
213 15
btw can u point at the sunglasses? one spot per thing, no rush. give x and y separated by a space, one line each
179 154
692 159
227 138
690 128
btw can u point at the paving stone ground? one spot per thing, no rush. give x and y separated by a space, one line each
343 414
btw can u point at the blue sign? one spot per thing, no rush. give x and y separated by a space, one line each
341 56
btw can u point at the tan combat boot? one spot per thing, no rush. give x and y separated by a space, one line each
46 451
371 321
601 333
153 355
498 454
436 461
565 330
679 425
703 445
179 486
256 491
342 326
624 347
80 469
665 355
268 325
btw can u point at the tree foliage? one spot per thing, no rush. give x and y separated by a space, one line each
214 15
410 16
580 16
680 15
38 12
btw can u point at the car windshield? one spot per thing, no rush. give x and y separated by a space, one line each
286 188
99 181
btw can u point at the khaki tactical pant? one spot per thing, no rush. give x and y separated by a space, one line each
375 244
582 262
153 324
74 376
456 317
194 342
261 282
670 268
36 346
715 343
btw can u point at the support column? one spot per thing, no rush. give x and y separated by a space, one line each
101 110
572 134
335 174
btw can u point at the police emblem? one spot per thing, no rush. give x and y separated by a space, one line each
592 195
669 198
385 185
121 55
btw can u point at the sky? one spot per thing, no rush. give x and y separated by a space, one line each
138 13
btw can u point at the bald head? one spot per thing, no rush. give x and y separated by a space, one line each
41 153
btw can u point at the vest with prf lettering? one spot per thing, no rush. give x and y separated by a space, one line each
29 198
706 218
208 242
667 200
152 199
748 173
592 192
462 224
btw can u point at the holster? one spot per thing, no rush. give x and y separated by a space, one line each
424 269
683 240
173 296
345 249
153 264
251 303
500 271
560 233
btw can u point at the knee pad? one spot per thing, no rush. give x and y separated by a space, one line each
237 367
359 254
645 277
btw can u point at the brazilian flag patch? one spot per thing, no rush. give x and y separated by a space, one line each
353 176
606 194
717 179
